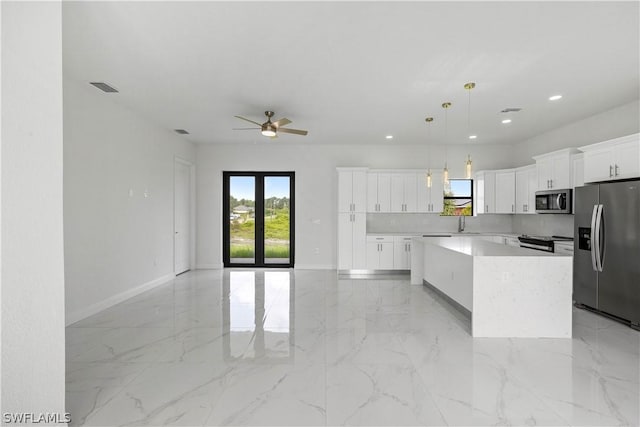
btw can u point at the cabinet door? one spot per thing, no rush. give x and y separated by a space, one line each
402 253
505 192
533 182
359 191
561 172
359 240
423 194
598 165
397 193
411 192
372 192
386 256
373 255
384 192
627 160
578 170
345 185
345 241
490 192
436 194
544 168
522 190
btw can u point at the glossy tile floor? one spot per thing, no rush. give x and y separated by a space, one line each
285 347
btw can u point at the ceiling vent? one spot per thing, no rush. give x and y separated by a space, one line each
104 87
511 110
181 131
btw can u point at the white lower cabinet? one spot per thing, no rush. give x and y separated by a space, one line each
352 232
379 252
402 253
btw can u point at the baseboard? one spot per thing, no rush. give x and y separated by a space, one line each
208 266
116 299
314 267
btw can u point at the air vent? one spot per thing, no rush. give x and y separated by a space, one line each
104 87
511 110
181 131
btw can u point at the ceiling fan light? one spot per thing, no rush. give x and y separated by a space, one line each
268 130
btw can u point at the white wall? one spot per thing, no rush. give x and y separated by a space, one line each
620 121
33 349
316 185
115 244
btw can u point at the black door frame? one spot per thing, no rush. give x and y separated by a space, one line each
259 219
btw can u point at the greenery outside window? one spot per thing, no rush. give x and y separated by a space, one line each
458 198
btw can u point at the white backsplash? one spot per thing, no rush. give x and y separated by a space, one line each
422 222
544 224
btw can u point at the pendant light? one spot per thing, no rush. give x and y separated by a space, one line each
429 120
468 165
445 172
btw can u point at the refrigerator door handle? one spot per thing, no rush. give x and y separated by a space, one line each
601 237
594 239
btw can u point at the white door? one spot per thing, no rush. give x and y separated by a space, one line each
182 216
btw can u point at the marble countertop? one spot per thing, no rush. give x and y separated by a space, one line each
477 247
444 233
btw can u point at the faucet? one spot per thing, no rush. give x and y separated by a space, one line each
461 223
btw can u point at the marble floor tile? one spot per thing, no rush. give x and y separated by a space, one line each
286 347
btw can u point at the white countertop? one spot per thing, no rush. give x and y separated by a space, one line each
471 246
444 233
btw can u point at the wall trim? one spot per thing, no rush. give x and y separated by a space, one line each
208 266
314 267
116 299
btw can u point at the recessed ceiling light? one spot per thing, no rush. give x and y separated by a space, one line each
473 136
555 97
505 121
389 136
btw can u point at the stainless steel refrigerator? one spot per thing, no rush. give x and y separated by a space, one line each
606 260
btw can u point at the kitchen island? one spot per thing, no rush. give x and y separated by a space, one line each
507 291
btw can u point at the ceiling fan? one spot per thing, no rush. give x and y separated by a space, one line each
270 128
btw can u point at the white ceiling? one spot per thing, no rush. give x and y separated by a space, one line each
354 72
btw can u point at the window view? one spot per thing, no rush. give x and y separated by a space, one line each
458 198
242 219
276 219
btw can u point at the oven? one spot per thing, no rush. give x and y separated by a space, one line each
541 243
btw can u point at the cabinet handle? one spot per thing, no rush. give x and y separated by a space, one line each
513 208
616 168
610 171
486 209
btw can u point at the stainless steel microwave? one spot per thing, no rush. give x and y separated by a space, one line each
553 201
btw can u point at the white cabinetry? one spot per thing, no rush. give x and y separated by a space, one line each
485 192
578 169
555 169
404 191
611 160
565 248
505 198
526 185
378 192
431 199
352 219
402 253
352 189
379 252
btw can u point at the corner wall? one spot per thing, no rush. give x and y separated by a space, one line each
118 200
316 185
33 347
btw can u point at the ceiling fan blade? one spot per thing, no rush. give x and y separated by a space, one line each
250 121
282 122
245 128
294 131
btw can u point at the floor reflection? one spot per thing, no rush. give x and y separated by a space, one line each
258 314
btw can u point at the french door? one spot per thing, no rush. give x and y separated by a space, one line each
258 219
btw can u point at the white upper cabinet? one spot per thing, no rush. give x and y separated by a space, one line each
485 183
430 199
555 169
526 185
505 198
352 189
404 192
614 159
378 192
578 169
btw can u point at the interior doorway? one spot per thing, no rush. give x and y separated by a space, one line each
182 213
258 219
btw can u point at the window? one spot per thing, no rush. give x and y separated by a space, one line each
458 198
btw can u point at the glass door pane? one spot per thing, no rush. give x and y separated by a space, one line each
242 220
277 224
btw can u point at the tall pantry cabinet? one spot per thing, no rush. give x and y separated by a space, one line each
352 218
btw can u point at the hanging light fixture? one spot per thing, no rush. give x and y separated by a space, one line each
429 120
468 165
445 172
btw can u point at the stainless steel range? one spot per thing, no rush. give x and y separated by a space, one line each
541 243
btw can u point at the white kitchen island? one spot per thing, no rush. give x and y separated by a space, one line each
508 291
